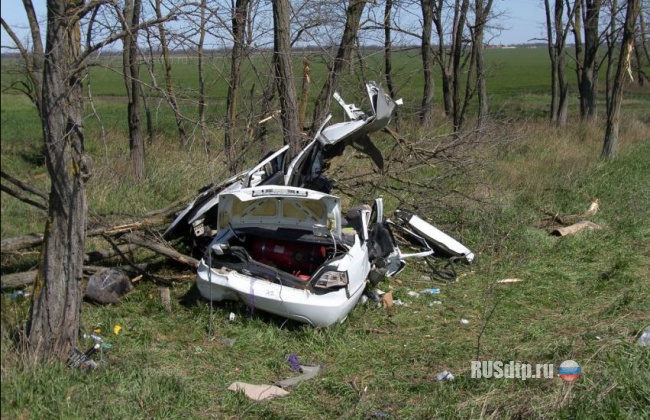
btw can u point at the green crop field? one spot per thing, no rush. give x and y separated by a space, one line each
584 297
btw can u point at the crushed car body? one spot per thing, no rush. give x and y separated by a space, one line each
280 242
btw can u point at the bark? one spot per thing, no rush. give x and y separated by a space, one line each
426 109
53 323
284 75
352 22
131 69
614 109
239 19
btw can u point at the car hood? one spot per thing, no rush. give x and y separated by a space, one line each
277 206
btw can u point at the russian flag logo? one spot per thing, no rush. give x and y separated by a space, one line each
569 371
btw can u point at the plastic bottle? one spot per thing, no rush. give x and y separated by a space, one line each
644 340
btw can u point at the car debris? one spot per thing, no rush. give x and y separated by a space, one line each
279 241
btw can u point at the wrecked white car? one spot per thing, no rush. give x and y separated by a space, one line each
291 252
280 242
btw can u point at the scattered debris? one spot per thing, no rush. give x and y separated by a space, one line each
107 286
258 392
387 300
644 340
293 361
413 293
165 298
117 329
445 375
430 291
575 228
18 295
228 342
435 302
307 372
231 316
509 281
464 321
563 225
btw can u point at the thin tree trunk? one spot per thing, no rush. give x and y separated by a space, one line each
131 67
388 61
352 22
588 78
239 19
201 65
53 324
460 16
426 109
169 81
614 110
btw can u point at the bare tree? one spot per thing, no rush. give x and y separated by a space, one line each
169 81
482 9
426 109
58 71
201 69
284 72
587 55
54 315
131 69
624 67
388 61
239 20
352 23
556 30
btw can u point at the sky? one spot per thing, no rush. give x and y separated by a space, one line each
522 20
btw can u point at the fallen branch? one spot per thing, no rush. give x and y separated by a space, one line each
24 186
161 249
127 225
25 199
25 278
575 228
556 219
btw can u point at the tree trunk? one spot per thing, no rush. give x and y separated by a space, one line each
132 80
588 78
53 323
201 65
239 19
284 73
388 61
352 22
442 57
169 81
426 109
614 110
460 16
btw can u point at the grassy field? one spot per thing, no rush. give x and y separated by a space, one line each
584 297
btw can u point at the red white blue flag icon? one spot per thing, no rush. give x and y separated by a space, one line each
569 371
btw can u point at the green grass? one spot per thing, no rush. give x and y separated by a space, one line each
584 297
